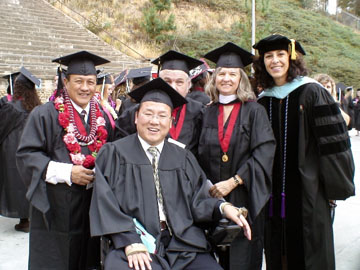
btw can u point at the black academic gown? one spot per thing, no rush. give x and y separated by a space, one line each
124 189
251 154
356 114
190 131
59 228
13 202
199 96
319 167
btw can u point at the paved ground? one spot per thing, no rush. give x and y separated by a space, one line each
14 245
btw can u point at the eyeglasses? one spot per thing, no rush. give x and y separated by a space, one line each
151 116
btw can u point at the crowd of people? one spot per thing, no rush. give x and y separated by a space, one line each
149 163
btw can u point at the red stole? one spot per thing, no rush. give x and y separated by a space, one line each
175 130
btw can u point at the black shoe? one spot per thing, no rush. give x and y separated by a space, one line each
23 225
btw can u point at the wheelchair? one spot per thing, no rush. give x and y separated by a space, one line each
219 236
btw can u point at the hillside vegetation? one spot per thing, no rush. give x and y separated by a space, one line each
201 25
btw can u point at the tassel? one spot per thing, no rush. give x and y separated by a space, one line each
271 207
292 49
283 205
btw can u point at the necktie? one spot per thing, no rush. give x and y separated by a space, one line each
86 125
153 151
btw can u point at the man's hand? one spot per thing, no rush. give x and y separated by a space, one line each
232 213
81 176
139 260
222 189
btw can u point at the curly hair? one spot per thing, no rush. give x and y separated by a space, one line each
28 96
262 78
244 91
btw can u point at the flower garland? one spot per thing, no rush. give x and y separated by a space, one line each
94 141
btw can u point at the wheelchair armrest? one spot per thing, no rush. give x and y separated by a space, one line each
224 233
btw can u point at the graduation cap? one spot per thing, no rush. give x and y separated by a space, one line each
230 56
25 77
121 78
140 75
279 42
158 90
195 72
104 78
176 61
81 63
11 80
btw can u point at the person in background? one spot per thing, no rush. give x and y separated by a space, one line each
120 89
329 85
104 86
13 202
199 77
10 89
146 182
55 158
356 102
236 151
137 78
313 160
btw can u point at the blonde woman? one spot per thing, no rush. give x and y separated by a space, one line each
236 150
330 86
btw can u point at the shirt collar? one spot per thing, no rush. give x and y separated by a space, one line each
146 146
227 99
79 109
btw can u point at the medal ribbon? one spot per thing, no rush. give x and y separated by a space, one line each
176 129
225 139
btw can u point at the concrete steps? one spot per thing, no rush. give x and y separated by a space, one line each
33 33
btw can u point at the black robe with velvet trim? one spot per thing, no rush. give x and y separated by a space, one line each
190 131
59 228
319 167
124 189
251 153
13 202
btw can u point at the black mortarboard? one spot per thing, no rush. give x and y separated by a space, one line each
230 56
279 42
176 61
121 78
11 80
158 90
81 63
27 78
140 75
104 78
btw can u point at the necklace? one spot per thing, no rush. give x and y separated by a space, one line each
74 139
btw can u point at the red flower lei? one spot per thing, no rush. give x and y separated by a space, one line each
73 139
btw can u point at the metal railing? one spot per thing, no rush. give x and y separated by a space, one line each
85 21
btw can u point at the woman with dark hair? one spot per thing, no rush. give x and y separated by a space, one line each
13 202
313 162
236 150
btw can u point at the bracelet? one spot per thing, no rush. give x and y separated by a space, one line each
222 206
136 248
243 211
237 179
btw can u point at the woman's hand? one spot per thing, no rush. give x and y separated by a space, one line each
223 188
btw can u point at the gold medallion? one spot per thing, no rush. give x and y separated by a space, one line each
225 157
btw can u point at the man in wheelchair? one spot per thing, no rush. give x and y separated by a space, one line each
149 193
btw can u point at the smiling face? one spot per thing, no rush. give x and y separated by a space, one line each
178 80
227 81
153 121
277 65
81 88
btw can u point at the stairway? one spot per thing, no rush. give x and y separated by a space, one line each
33 33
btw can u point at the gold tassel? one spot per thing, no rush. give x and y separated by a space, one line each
292 49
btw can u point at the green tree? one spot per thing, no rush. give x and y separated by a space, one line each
352 6
156 25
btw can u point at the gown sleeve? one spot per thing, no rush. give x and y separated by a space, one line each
106 216
256 172
333 142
